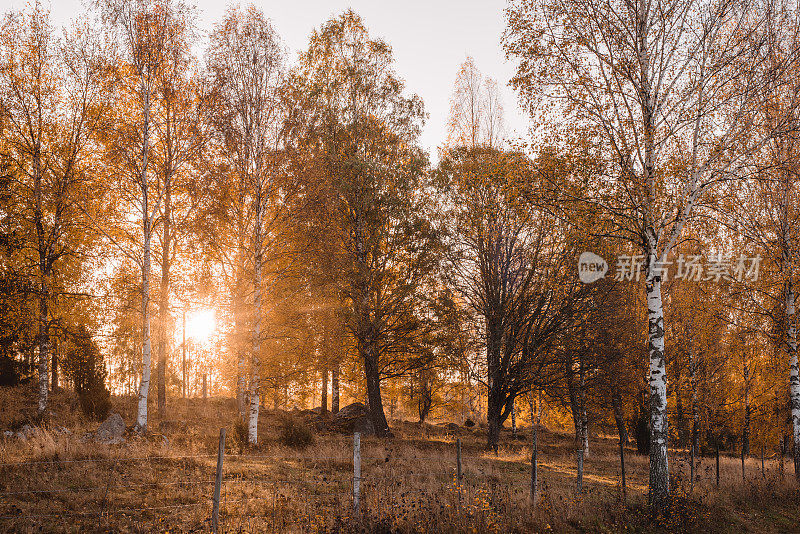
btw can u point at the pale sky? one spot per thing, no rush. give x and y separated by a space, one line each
430 39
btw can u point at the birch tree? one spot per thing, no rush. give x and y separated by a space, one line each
179 113
51 101
672 90
246 62
140 29
476 110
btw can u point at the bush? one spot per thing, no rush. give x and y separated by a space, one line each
83 364
10 371
239 434
295 433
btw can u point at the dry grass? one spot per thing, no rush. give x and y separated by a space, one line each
158 484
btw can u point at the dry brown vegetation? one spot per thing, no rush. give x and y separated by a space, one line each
56 481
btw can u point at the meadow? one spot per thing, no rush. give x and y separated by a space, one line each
58 480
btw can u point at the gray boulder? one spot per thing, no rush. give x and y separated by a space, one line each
26 432
111 430
350 411
353 418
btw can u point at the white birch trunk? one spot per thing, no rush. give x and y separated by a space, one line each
252 425
44 252
659 473
794 376
144 385
44 346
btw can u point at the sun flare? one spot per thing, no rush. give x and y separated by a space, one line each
200 325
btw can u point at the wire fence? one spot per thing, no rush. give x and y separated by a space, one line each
230 492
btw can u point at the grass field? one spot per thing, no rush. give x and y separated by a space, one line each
57 481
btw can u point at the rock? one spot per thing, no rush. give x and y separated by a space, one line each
469 423
111 430
352 410
364 426
354 418
25 433
8 434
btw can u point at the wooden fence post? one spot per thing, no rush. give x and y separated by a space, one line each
717 464
356 472
218 482
458 460
763 473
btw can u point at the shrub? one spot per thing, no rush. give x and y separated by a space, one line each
295 433
239 434
10 371
83 364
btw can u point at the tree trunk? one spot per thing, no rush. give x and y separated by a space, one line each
163 306
534 452
241 385
680 416
43 335
183 357
493 419
513 421
622 431
659 470
144 385
619 416
335 388
54 369
376 414
747 411
44 345
695 412
255 362
584 412
324 399
794 377
241 361
494 415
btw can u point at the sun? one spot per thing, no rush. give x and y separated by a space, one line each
200 325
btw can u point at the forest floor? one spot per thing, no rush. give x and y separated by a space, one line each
56 480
